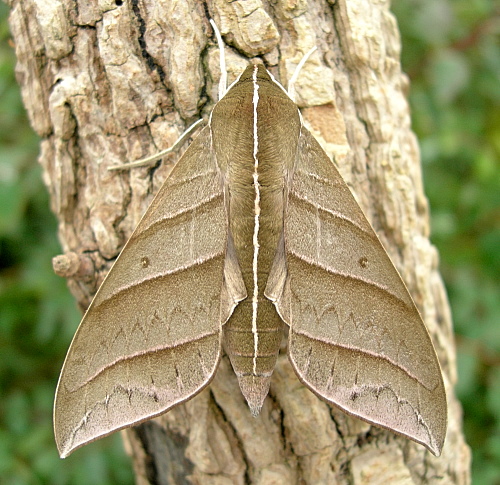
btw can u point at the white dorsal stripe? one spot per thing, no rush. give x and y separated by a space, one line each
256 246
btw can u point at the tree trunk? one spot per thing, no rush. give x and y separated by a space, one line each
113 81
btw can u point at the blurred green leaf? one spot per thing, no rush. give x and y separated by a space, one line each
448 75
35 311
455 103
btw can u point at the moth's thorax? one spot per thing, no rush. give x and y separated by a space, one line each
273 135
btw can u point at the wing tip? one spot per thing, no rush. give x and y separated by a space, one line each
66 447
64 453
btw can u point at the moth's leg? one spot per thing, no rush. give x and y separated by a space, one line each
154 158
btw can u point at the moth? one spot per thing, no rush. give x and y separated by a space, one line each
253 230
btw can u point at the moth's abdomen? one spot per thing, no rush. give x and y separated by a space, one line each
252 335
253 359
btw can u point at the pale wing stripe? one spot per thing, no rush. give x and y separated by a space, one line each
336 214
158 275
183 211
363 351
318 238
201 175
383 288
201 363
150 350
322 180
255 298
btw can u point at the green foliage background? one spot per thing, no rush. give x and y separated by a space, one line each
35 308
451 53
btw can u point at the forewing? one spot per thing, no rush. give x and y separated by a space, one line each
356 338
152 336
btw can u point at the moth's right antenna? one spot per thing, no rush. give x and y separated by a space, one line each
222 61
293 79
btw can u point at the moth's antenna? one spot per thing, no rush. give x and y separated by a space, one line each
157 156
222 61
194 126
293 79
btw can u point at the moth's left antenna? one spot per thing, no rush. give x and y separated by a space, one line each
222 90
222 61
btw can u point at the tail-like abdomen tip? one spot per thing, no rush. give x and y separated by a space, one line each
254 389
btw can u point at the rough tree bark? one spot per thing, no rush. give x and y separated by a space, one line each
112 81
